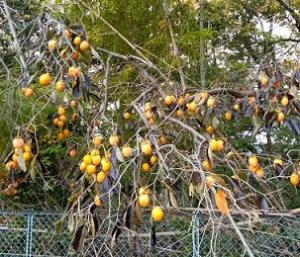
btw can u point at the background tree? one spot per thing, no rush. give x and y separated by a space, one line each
104 109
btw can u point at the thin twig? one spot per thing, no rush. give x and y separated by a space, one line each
14 34
242 238
174 44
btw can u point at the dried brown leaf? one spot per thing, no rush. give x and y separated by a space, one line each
221 201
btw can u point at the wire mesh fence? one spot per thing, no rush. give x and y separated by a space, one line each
172 238
266 236
32 234
35 234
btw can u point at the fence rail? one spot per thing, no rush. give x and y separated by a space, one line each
34 235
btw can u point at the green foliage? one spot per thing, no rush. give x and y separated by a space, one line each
234 44
285 142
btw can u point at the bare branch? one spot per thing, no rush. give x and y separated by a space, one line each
175 47
14 34
292 12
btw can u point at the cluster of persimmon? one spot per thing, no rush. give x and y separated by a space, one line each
183 104
280 115
96 164
149 159
60 121
27 91
255 167
284 101
22 153
144 200
46 79
191 104
93 163
149 114
144 197
67 52
188 104
216 145
79 45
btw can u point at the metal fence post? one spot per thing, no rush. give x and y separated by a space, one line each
196 235
29 234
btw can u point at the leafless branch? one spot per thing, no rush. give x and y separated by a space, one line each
174 44
14 34
293 13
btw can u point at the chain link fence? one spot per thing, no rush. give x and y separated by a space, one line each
266 236
32 234
35 234
173 238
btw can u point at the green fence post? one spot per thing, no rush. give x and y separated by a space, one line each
29 234
196 235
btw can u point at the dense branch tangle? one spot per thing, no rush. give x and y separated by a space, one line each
164 148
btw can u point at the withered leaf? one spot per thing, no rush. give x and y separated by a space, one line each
262 204
21 161
215 122
191 189
293 126
172 198
115 233
127 216
152 238
138 217
221 201
119 154
278 169
78 238
71 223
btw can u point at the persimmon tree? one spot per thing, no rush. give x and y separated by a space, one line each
121 129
